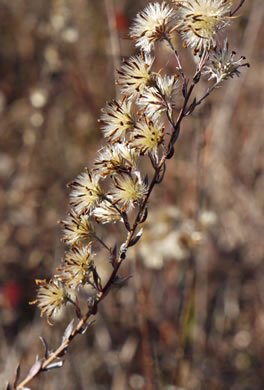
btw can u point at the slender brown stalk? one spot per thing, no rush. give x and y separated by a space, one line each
135 77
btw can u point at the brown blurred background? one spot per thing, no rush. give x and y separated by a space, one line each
192 315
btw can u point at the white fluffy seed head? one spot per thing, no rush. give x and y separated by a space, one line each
151 25
199 21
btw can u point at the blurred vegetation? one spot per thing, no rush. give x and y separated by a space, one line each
192 315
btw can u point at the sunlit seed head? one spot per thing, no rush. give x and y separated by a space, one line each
160 97
77 266
199 21
106 213
151 25
114 159
127 190
77 228
86 192
135 74
117 119
50 297
147 135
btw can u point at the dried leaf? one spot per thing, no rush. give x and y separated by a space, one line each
197 77
121 281
144 215
136 238
123 251
192 107
52 366
175 135
171 152
68 331
35 369
97 279
45 345
92 305
161 174
125 220
84 328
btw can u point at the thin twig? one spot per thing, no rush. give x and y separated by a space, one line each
208 92
237 8
179 67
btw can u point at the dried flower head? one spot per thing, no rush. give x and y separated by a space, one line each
147 135
117 119
161 97
223 65
50 297
201 20
115 158
151 25
77 228
86 192
77 266
106 213
135 74
128 190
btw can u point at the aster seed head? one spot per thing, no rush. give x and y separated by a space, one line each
106 213
77 266
51 296
114 159
128 190
152 25
117 119
199 21
86 192
77 228
161 97
135 74
148 134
